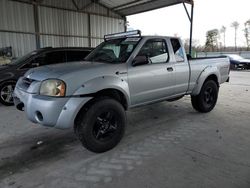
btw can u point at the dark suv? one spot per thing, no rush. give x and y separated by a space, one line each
10 73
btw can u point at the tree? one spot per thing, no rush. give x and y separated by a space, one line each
247 33
223 32
235 25
212 40
195 44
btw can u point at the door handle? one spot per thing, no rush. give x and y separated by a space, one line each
170 69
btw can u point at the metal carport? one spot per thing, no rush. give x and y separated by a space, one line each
129 7
29 24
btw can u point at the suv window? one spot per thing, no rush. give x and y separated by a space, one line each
156 50
178 52
34 62
76 55
54 57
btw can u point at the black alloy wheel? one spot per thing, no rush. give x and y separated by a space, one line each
102 126
105 126
207 98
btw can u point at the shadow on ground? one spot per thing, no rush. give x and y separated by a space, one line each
48 147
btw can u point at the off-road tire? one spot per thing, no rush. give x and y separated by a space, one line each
207 98
86 127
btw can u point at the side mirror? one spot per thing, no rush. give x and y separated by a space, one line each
140 60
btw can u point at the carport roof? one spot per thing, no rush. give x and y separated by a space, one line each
129 7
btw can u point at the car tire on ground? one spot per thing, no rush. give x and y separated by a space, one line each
102 126
207 98
6 90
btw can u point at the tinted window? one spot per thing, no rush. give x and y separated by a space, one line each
76 55
36 61
156 50
178 51
54 57
24 58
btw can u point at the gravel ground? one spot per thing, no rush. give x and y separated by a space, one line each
166 145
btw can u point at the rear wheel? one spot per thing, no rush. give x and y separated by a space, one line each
6 91
207 98
102 126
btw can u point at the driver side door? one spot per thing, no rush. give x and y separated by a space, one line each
153 80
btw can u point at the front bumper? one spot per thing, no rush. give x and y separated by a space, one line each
243 65
49 111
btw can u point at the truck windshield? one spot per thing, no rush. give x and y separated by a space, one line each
114 51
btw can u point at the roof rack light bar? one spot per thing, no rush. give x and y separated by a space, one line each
122 34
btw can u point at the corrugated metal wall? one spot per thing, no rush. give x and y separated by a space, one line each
57 41
59 24
102 26
20 43
19 18
62 28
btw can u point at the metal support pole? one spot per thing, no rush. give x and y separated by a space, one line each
36 22
89 31
125 24
191 29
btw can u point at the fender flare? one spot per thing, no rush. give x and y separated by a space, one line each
98 84
205 73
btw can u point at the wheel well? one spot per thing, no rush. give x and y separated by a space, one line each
214 78
115 94
111 93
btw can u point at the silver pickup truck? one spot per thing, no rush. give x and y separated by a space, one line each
127 70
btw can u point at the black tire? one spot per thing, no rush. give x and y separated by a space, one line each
207 98
6 90
102 125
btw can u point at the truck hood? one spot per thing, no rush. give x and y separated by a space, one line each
58 70
64 71
78 73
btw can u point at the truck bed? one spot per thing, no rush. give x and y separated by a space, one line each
198 64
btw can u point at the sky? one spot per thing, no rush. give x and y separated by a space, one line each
208 15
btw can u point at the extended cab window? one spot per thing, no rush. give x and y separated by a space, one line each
155 50
114 51
178 51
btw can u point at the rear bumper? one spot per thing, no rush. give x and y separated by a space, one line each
49 111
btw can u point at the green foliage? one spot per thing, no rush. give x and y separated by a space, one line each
212 40
247 33
235 25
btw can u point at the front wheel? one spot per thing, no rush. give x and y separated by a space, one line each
207 98
6 91
102 126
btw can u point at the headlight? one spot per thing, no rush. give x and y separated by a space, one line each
52 87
